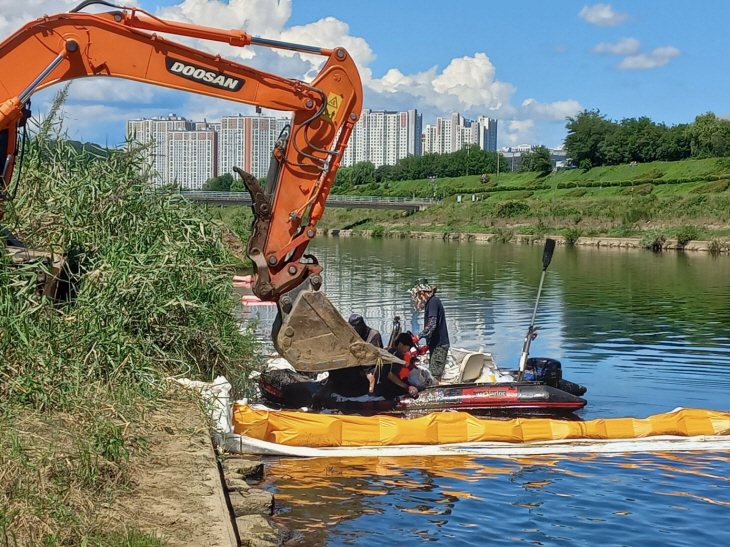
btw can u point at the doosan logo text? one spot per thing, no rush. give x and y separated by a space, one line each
203 75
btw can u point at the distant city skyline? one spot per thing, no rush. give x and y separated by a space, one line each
189 152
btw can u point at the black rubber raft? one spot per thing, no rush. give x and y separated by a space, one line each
544 392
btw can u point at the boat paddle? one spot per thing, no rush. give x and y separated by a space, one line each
547 256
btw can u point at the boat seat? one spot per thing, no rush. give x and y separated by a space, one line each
471 368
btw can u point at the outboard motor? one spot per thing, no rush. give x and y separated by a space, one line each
544 369
550 371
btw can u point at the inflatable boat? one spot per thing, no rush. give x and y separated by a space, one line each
472 382
476 386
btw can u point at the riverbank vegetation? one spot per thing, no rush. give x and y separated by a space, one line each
150 297
670 198
592 141
630 178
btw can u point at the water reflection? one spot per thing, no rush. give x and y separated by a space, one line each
645 332
631 325
467 501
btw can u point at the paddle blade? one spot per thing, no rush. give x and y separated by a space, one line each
547 254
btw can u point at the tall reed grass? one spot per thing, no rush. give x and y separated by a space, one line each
152 277
152 298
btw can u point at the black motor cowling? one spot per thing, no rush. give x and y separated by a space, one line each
544 369
550 371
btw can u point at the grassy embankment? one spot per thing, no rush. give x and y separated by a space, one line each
78 380
687 200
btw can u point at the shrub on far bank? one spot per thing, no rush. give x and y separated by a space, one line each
711 187
687 233
716 246
512 209
571 235
653 240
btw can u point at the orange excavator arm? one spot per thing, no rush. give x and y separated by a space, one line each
124 43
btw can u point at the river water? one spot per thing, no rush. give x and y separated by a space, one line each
644 332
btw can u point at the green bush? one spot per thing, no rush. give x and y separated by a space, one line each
653 240
512 209
571 235
504 235
687 233
378 231
715 246
651 174
575 193
712 187
153 282
636 212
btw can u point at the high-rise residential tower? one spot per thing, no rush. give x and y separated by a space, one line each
383 137
247 142
154 134
453 133
192 157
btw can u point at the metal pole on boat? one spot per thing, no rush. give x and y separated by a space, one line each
547 256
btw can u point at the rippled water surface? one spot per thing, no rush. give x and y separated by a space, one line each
644 332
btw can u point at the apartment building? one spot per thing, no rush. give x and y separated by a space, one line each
192 157
189 153
247 142
453 133
153 133
383 137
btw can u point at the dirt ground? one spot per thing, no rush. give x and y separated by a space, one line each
177 490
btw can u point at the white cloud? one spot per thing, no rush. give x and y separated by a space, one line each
659 57
603 15
557 111
467 84
519 131
16 14
264 18
330 32
472 81
633 60
111 90
625 46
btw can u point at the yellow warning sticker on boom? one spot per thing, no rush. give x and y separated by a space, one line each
333 105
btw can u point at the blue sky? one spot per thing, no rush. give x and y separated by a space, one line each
529 64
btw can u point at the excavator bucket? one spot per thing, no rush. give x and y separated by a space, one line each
311 334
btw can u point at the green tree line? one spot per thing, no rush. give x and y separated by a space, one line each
593 140
470 160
